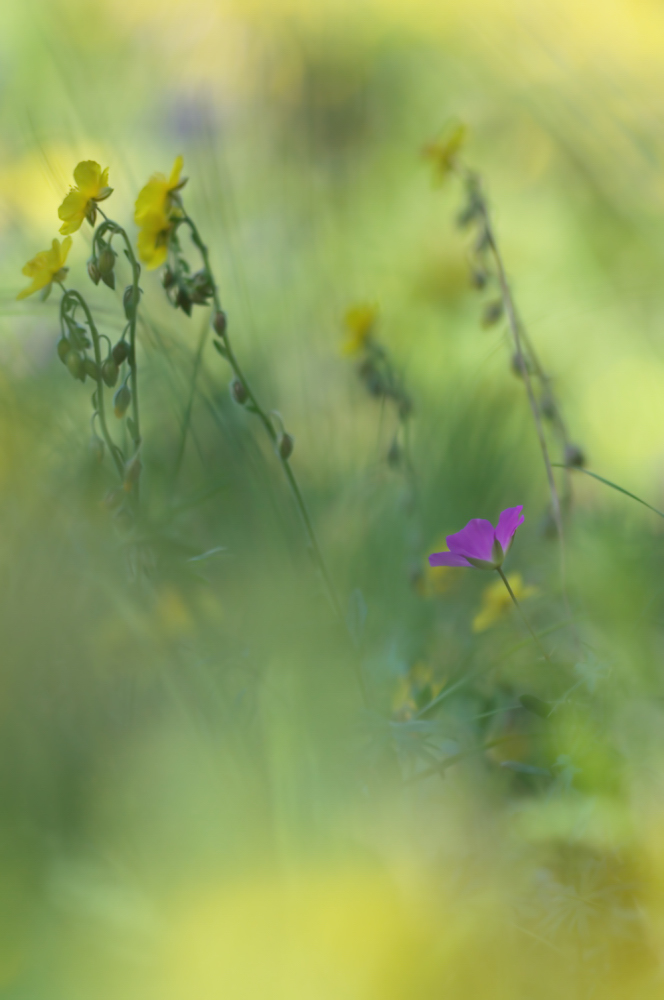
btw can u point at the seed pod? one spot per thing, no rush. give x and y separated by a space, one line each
110 372
574 456
97 447
106 260
128 301
74 363
121 401
492 313
239 391
120 352
93 270
90 368
285 445
220 322
63 349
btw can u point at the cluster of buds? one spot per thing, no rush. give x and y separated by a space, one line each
374 367
101 265
184 289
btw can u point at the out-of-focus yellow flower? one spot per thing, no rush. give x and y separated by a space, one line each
81 202
157 198
46 267
433 581
172 614
496 602
152 241
443 151
155 209
359 322
419 686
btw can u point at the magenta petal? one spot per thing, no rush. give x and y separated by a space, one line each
475 540
447 559
508 522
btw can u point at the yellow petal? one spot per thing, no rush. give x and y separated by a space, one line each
37 264
63 250
88 178
151 199
72 211
174 179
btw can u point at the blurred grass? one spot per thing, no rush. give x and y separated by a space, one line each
193 801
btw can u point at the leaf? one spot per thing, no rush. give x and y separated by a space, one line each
607 482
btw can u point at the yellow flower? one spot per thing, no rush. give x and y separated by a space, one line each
433 581
496 602
359 322
159 195
81 202
46 267
153 239
156 208
443 151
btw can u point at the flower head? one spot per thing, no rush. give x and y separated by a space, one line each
155 210
46 267
81 202
359 322
479 544
496 601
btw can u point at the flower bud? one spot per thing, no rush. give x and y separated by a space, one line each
478 278
285 445
90 368
574 456
239 391
548 406
519 365
220 322
121 401
120 352
168 278
74 363
97 448
106 260
492 313
183 301
110 372
63 349
93 270
128 301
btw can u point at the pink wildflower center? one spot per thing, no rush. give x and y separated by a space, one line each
479 544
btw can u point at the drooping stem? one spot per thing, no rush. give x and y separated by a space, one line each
255 407
131 309
520 610
68 295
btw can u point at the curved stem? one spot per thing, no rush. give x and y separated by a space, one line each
264 418
519 609
110 444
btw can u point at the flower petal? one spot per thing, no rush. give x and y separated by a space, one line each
174 179
508 522
475 540
87 175
447 559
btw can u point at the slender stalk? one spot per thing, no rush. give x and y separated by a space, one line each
110 444
263 416
115 229
519 609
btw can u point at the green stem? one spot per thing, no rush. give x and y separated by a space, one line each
110 444
110 226
519 609
264 418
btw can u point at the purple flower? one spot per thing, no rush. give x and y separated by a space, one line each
479 544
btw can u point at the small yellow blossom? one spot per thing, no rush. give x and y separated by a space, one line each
359 322
433 581
156 208
81 202
443 151
158 196
152 241
496 602
46 267
419 687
